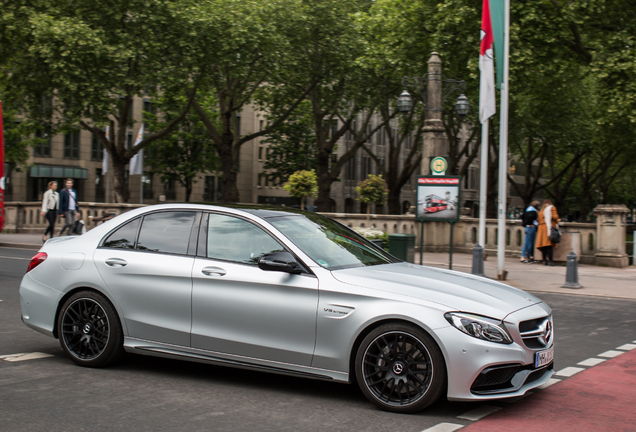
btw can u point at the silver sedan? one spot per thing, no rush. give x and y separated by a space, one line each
288 292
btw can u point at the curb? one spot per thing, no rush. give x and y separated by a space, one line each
21 245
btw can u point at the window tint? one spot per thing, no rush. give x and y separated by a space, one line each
234 239
124 237
167 232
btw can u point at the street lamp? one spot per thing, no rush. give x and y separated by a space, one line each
405 104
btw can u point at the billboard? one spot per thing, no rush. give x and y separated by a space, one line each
438 198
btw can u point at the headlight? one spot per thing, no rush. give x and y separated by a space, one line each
479 326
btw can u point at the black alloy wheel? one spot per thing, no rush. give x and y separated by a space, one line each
89 330
400 368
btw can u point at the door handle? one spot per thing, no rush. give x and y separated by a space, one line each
116 262
213 271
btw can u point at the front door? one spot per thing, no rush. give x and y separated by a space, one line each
241 310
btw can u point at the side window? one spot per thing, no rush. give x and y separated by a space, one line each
167 232
124 237
234 239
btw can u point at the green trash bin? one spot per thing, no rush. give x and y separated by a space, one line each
402 246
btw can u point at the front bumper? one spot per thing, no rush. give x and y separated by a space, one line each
482 370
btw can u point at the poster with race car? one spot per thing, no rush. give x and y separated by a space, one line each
438 198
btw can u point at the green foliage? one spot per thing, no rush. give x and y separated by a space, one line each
302 184
372 190
292 146
186 152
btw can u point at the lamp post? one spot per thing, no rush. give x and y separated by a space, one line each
462 105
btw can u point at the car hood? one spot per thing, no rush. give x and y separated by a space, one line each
457 291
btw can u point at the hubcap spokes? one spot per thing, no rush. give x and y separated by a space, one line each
85 329
397 368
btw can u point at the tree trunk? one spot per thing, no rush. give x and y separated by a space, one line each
122 193
393 202
323 202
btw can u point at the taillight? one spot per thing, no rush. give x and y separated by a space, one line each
37 259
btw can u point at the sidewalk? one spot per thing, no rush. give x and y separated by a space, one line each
596 281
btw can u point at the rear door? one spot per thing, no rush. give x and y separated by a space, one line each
146 266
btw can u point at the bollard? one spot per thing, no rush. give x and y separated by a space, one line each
478 261
572 273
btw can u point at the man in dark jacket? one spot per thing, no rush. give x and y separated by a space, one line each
68 206
530 223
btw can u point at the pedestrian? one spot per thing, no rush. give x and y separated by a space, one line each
50 204
530 224
548 220
68 206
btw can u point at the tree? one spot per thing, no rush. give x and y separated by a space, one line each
246 47
302 184
81 63
372 190
186 152
292 147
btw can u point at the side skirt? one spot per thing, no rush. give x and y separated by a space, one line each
139 346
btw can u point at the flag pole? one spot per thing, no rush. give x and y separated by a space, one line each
503 151
483 183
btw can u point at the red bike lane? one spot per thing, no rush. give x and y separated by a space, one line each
602 398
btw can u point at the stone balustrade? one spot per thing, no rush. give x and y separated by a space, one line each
25 217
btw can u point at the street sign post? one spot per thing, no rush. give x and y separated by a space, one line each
438 199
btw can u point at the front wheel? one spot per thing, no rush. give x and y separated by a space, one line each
400 368
89 330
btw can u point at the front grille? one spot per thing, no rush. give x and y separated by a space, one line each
538 374
537 333
495 378
507 378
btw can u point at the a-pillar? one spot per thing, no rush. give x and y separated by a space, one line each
611 231
434 136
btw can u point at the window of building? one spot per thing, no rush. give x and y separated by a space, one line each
43 145
146 181
208 188
350 170
71 145
99 186
97 150
168 189
149 109
129 140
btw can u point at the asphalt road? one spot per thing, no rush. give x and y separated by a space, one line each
146 393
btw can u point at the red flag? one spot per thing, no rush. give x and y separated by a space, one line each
1 170
486 66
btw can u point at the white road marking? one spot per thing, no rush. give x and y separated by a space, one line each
611 354
24 356
25 259
569 371
479 413
550 382
627 347
444 427
591 362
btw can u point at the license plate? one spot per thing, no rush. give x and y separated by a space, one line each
543 358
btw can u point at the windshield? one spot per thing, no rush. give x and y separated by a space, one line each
329 243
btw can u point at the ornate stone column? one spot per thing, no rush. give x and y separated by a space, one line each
434 140
611 232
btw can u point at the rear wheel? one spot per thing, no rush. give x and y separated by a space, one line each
400 368
89 330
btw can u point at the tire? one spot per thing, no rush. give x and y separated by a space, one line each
400 368
89 330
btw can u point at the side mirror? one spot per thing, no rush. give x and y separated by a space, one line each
280 261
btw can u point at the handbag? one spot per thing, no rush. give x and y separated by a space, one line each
555 235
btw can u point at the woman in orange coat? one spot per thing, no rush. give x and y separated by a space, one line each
548 219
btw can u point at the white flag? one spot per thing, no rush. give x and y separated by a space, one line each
137 161
105 159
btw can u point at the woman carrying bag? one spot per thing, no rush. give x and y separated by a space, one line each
548 222
50 204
